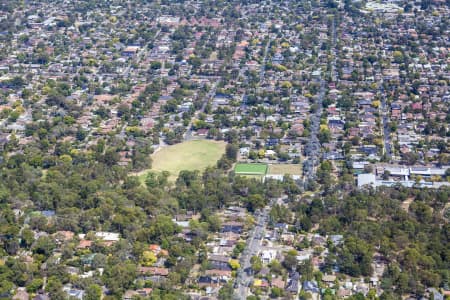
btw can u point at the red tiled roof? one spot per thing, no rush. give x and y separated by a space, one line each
84 244
154 271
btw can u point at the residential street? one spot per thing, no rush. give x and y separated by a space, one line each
244 277
386 129
212 92
312 148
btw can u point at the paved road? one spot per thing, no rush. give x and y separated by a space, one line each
262 72
212 92
244 278
313 147
386 127
333 51
384 112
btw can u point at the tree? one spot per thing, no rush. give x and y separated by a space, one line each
410 158
256 263
6 287
306 269
93 292
111 157
123 111
234 264
331 4
81 134
388 295
214 223
224 163
54 289
398 56
161 228
231 152
290 260
304 295
283 156
99 261
44 245
35 285
305 224
261 153
155 65
240 246
27 238
16 82
324 135
119 276
276 292
195 61
255 202
226 292
151 180
148 258
422 211
276 267
355 257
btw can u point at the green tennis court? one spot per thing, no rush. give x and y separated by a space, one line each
250 169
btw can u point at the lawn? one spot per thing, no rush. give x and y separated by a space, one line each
191 155
282 169
250 169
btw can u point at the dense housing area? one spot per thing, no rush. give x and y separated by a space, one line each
224 149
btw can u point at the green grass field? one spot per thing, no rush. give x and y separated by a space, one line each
191 155
282 169
250 169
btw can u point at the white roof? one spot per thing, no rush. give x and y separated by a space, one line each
107 236
366 179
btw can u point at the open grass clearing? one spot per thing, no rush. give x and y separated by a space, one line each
190 155
282 169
